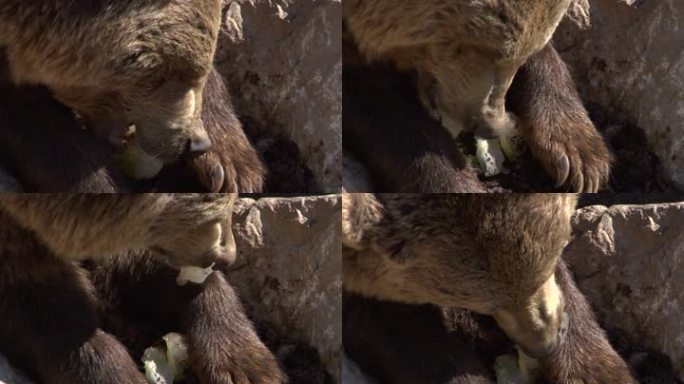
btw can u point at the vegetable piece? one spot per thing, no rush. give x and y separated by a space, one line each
137 163
489 156
512 146
165 365
157 369
176 352
196 275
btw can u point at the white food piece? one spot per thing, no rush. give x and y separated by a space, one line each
157 369
489 156
196 275
164 367
176 352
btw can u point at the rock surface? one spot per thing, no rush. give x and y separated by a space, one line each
629 262
288 268
631 63
282 60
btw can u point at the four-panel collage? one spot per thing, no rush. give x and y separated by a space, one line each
341 192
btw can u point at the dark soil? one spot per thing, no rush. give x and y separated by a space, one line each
648 365
286 170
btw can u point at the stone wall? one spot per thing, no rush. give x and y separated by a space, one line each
629 262
631 63
282 60
288 268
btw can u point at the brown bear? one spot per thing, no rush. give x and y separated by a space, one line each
43 146
53 310
494 255
465 53
120 63
550 114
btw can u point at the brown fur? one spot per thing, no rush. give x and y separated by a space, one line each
459 347
53 310
223 343
556 126
386 129
63 157
466 52
466 251
119 63
184 229
378 109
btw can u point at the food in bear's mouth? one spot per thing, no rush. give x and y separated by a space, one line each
196 275
137 163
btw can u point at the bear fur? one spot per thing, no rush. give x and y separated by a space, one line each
56 313
119 63
492 255
66 158
381 110
460 347
465 53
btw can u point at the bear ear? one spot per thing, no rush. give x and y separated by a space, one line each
361 213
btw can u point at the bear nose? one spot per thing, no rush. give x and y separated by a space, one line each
198 145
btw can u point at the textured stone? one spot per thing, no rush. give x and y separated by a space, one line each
283 62
631 63
288 269
629 262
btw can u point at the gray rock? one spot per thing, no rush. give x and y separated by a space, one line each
283 62
288 268
630 62
629 262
